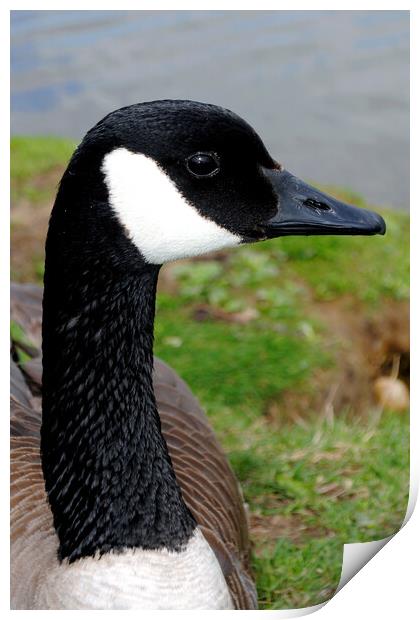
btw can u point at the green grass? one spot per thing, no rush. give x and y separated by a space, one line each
224 350
317 482
345 481
368 269
33 158
342 483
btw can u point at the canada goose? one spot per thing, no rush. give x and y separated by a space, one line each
120 523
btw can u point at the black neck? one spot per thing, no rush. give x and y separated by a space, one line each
108 475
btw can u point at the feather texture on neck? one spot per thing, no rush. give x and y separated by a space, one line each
109 477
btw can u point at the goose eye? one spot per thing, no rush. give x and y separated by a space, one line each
203 164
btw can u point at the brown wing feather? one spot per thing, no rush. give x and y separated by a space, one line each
208 484
26 309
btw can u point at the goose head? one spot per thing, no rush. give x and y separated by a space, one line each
182 178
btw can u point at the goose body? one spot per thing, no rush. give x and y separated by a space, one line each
204 475
121 495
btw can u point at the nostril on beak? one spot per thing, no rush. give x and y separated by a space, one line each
316 204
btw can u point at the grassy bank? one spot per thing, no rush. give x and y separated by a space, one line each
281 342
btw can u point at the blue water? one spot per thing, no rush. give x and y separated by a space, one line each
328 91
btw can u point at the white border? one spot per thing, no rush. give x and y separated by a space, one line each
387 586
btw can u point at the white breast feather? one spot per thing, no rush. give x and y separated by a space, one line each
134 579
138 579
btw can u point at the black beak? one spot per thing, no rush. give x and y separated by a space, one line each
304 210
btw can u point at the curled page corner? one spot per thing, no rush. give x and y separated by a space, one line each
412 499
356 556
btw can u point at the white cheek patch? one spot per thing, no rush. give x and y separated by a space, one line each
154 213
